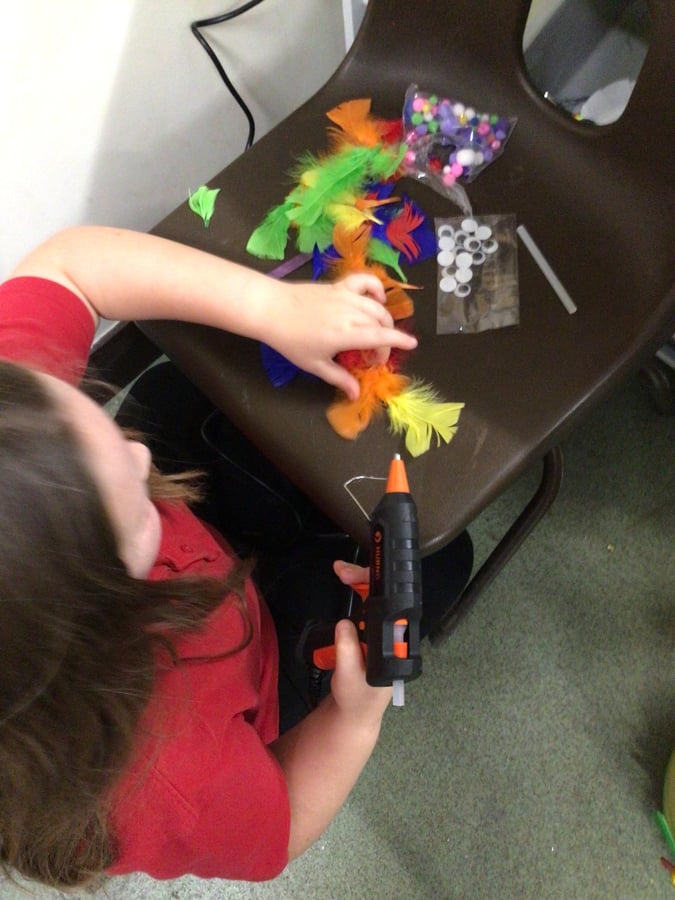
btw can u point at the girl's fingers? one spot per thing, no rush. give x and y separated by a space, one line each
348 573
363 283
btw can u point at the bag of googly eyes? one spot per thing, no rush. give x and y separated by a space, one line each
477 274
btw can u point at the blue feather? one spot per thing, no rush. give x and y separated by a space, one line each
279 370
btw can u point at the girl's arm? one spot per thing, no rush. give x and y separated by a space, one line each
323 756
129 275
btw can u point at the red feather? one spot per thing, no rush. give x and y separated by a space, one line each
399 230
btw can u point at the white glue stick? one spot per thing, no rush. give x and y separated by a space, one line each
546 269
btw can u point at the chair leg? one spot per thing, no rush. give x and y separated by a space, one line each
660 379
542 499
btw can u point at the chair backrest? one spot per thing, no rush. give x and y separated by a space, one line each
622 171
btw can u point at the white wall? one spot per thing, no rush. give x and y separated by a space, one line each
112 112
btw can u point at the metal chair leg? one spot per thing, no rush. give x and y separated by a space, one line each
547 491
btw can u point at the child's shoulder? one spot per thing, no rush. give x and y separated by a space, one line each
189 546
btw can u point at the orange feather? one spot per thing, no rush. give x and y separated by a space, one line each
355 124
349 418
398 303
352 247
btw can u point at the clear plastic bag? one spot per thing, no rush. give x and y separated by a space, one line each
448 143
477 274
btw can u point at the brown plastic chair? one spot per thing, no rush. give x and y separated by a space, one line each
599 203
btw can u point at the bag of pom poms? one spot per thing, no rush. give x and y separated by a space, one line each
448 143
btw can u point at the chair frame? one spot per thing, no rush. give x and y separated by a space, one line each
598 201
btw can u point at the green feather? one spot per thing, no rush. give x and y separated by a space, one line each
269 239
320 234
203 203
383 253
325 181
320 182
384 162
662 822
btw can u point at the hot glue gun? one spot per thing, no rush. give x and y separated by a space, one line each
388 613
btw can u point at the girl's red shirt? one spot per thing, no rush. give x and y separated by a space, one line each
204 795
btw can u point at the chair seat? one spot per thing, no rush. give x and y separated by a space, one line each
598 201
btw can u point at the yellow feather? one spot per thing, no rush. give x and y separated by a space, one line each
348 216
418 413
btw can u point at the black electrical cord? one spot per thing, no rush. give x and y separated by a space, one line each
217 20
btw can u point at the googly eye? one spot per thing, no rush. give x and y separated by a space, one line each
483 232
464 260
471 244
462 290
445 258
463 275
448 284
478 258
446 229
469 225
460 237
490 246
446 243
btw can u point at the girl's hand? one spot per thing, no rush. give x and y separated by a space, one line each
350 690
323 755
350 574
362 705
315 322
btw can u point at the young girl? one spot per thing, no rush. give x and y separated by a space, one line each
138 704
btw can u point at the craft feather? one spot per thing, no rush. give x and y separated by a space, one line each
327 179
279 370
378 384
345 215
411 231
418 413
385 254
328 189
407 228
399 232
351 249
203 203
356 125
320 235
269 239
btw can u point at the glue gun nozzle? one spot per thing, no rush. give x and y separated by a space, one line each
397 481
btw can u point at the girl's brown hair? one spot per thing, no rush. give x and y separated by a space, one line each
79 637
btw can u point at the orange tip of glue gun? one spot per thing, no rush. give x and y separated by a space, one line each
397 480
